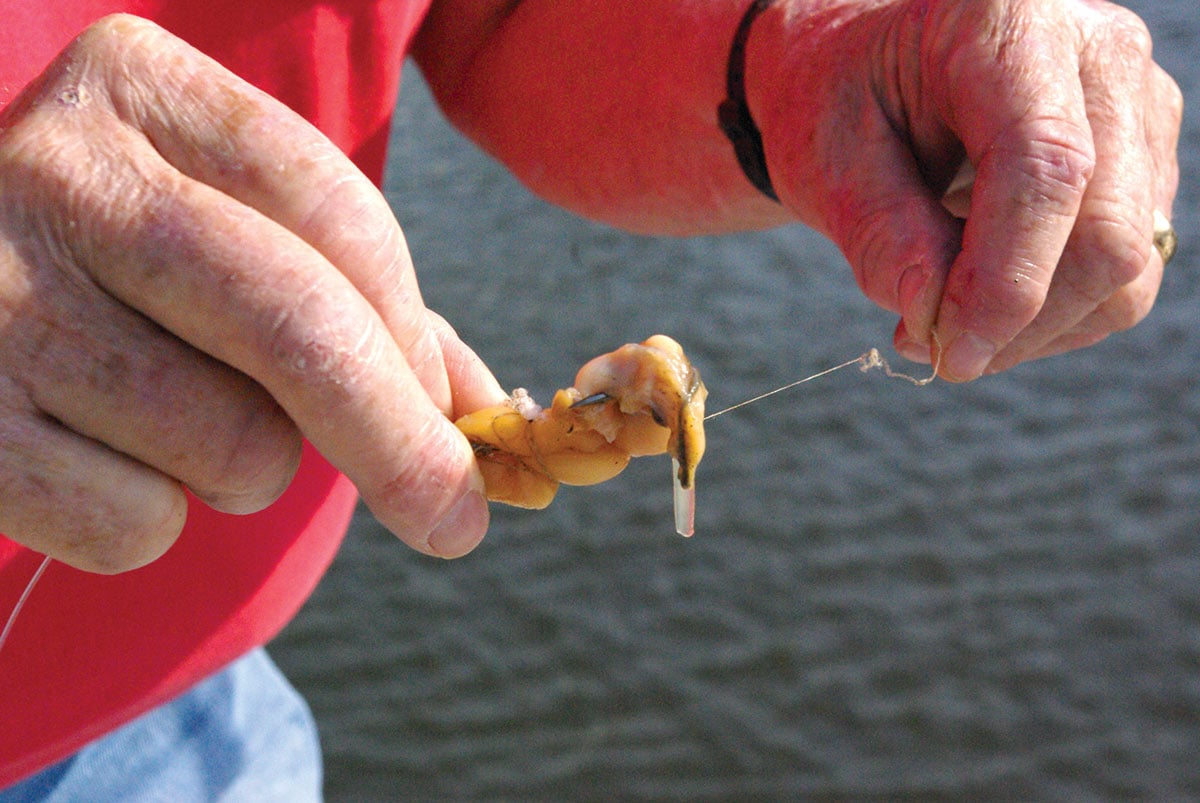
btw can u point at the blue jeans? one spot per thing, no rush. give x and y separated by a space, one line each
242 734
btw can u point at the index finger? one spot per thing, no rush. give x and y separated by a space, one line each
219 130
234 284
1019 109
276 256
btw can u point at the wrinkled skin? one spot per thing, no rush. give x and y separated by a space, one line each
642 399
180 304
1069 125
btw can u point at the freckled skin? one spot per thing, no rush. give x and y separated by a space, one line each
654 404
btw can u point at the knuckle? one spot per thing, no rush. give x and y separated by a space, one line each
1115 254
100 37
1019 298
1059 166
323 343
429 478
1172 104
1124 268
114 40
1127 308
39 152
1128 34
103 57
1126 257
63 197
1124 317
998 305
346 216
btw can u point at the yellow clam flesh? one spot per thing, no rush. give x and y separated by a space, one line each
642 399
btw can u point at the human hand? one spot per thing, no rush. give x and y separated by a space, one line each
192 279
868 110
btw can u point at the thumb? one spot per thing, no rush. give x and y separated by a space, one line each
472 385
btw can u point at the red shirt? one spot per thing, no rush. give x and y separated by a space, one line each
90 652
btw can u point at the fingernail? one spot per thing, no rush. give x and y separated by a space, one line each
967 357
462 528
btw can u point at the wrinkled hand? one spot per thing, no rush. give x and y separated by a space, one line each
1071 128
192 278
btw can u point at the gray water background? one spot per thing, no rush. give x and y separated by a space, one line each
981 590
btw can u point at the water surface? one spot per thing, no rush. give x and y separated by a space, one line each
990 588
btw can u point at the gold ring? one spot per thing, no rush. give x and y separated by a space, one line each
1165 239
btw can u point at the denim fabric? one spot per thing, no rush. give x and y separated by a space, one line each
243 734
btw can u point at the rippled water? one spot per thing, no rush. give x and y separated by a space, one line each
960 590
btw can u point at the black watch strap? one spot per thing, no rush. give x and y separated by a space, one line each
733 114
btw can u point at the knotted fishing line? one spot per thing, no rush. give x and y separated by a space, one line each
866 362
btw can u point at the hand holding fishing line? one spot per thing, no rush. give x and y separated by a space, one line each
1065 122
